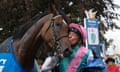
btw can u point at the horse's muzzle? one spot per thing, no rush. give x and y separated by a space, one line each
65 53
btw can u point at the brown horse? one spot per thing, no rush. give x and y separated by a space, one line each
24 44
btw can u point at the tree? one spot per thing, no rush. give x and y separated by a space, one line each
13 13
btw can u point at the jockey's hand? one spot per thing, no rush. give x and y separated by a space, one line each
50 63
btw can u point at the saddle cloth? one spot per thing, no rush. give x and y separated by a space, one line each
8 62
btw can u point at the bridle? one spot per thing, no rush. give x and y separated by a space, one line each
56 39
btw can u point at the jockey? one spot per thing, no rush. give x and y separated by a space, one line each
80 54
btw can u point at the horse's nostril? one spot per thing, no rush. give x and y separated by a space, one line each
70 49
67 52
66 49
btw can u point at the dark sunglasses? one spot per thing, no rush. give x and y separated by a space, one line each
74 30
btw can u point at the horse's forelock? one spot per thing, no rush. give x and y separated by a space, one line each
59 16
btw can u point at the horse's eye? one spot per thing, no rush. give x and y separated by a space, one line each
58 24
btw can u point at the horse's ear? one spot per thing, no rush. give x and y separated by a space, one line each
68 18
52 9
68 15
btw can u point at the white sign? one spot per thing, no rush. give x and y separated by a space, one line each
93 36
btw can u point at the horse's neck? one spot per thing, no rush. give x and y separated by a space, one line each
25 48
43 51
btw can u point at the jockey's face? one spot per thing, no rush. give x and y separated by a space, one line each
74 38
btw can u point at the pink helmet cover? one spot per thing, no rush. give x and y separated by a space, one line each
81 29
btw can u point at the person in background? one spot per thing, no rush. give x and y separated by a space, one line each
80 54
111 66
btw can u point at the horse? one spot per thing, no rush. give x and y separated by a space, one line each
17 53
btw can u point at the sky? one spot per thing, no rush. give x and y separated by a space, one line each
115 33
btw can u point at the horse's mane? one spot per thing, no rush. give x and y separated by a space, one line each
21 31
24 27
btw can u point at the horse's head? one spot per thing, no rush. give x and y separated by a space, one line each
55 33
